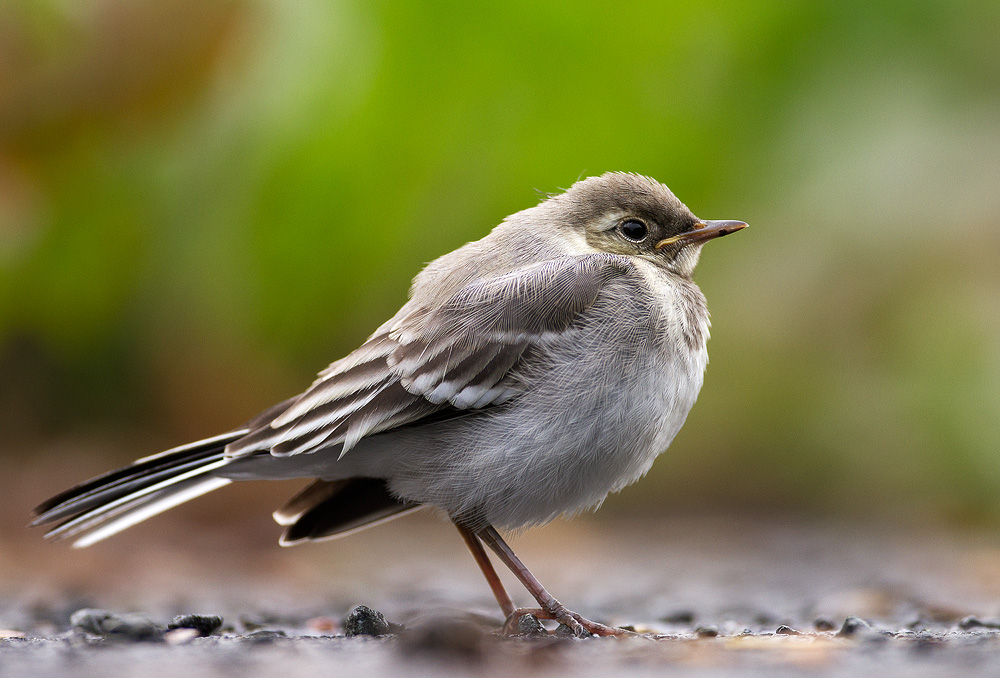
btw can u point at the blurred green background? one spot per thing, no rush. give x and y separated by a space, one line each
204 202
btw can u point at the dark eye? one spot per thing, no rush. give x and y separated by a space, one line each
633 229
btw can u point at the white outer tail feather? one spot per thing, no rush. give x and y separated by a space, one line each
149 510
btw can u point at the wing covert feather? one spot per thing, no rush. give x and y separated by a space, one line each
460 354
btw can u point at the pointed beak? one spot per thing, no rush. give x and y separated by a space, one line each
704 230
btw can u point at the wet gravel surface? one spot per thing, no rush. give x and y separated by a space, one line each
294 647
705 596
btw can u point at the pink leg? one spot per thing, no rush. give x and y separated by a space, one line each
492 578
550 607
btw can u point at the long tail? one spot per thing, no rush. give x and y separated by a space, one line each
115 501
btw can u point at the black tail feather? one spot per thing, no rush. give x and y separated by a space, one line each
121 498
135 489
329 509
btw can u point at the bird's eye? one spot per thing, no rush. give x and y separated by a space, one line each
633 229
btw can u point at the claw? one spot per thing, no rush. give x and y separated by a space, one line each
581 626
550 608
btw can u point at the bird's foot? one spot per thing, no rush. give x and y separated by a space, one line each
581 626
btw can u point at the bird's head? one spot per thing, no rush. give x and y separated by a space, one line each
632 214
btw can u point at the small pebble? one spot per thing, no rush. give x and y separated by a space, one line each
263 636
852 626
364 621
204 624
568 632
706 632
679 617
528 625
855 627
267 633
967 623
787 631
823 624
123 627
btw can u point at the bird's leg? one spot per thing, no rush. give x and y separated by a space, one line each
492 578
550 607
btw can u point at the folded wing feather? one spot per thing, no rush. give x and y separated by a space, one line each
460 355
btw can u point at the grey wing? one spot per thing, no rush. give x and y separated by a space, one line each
459 355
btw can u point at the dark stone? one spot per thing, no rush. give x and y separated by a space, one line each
787 631
823 624
679 617
119 627
706 632
204 624
968 623
528 625
364 621
855 627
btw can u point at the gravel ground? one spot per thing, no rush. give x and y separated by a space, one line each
710 596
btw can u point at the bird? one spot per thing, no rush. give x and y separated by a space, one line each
529 374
